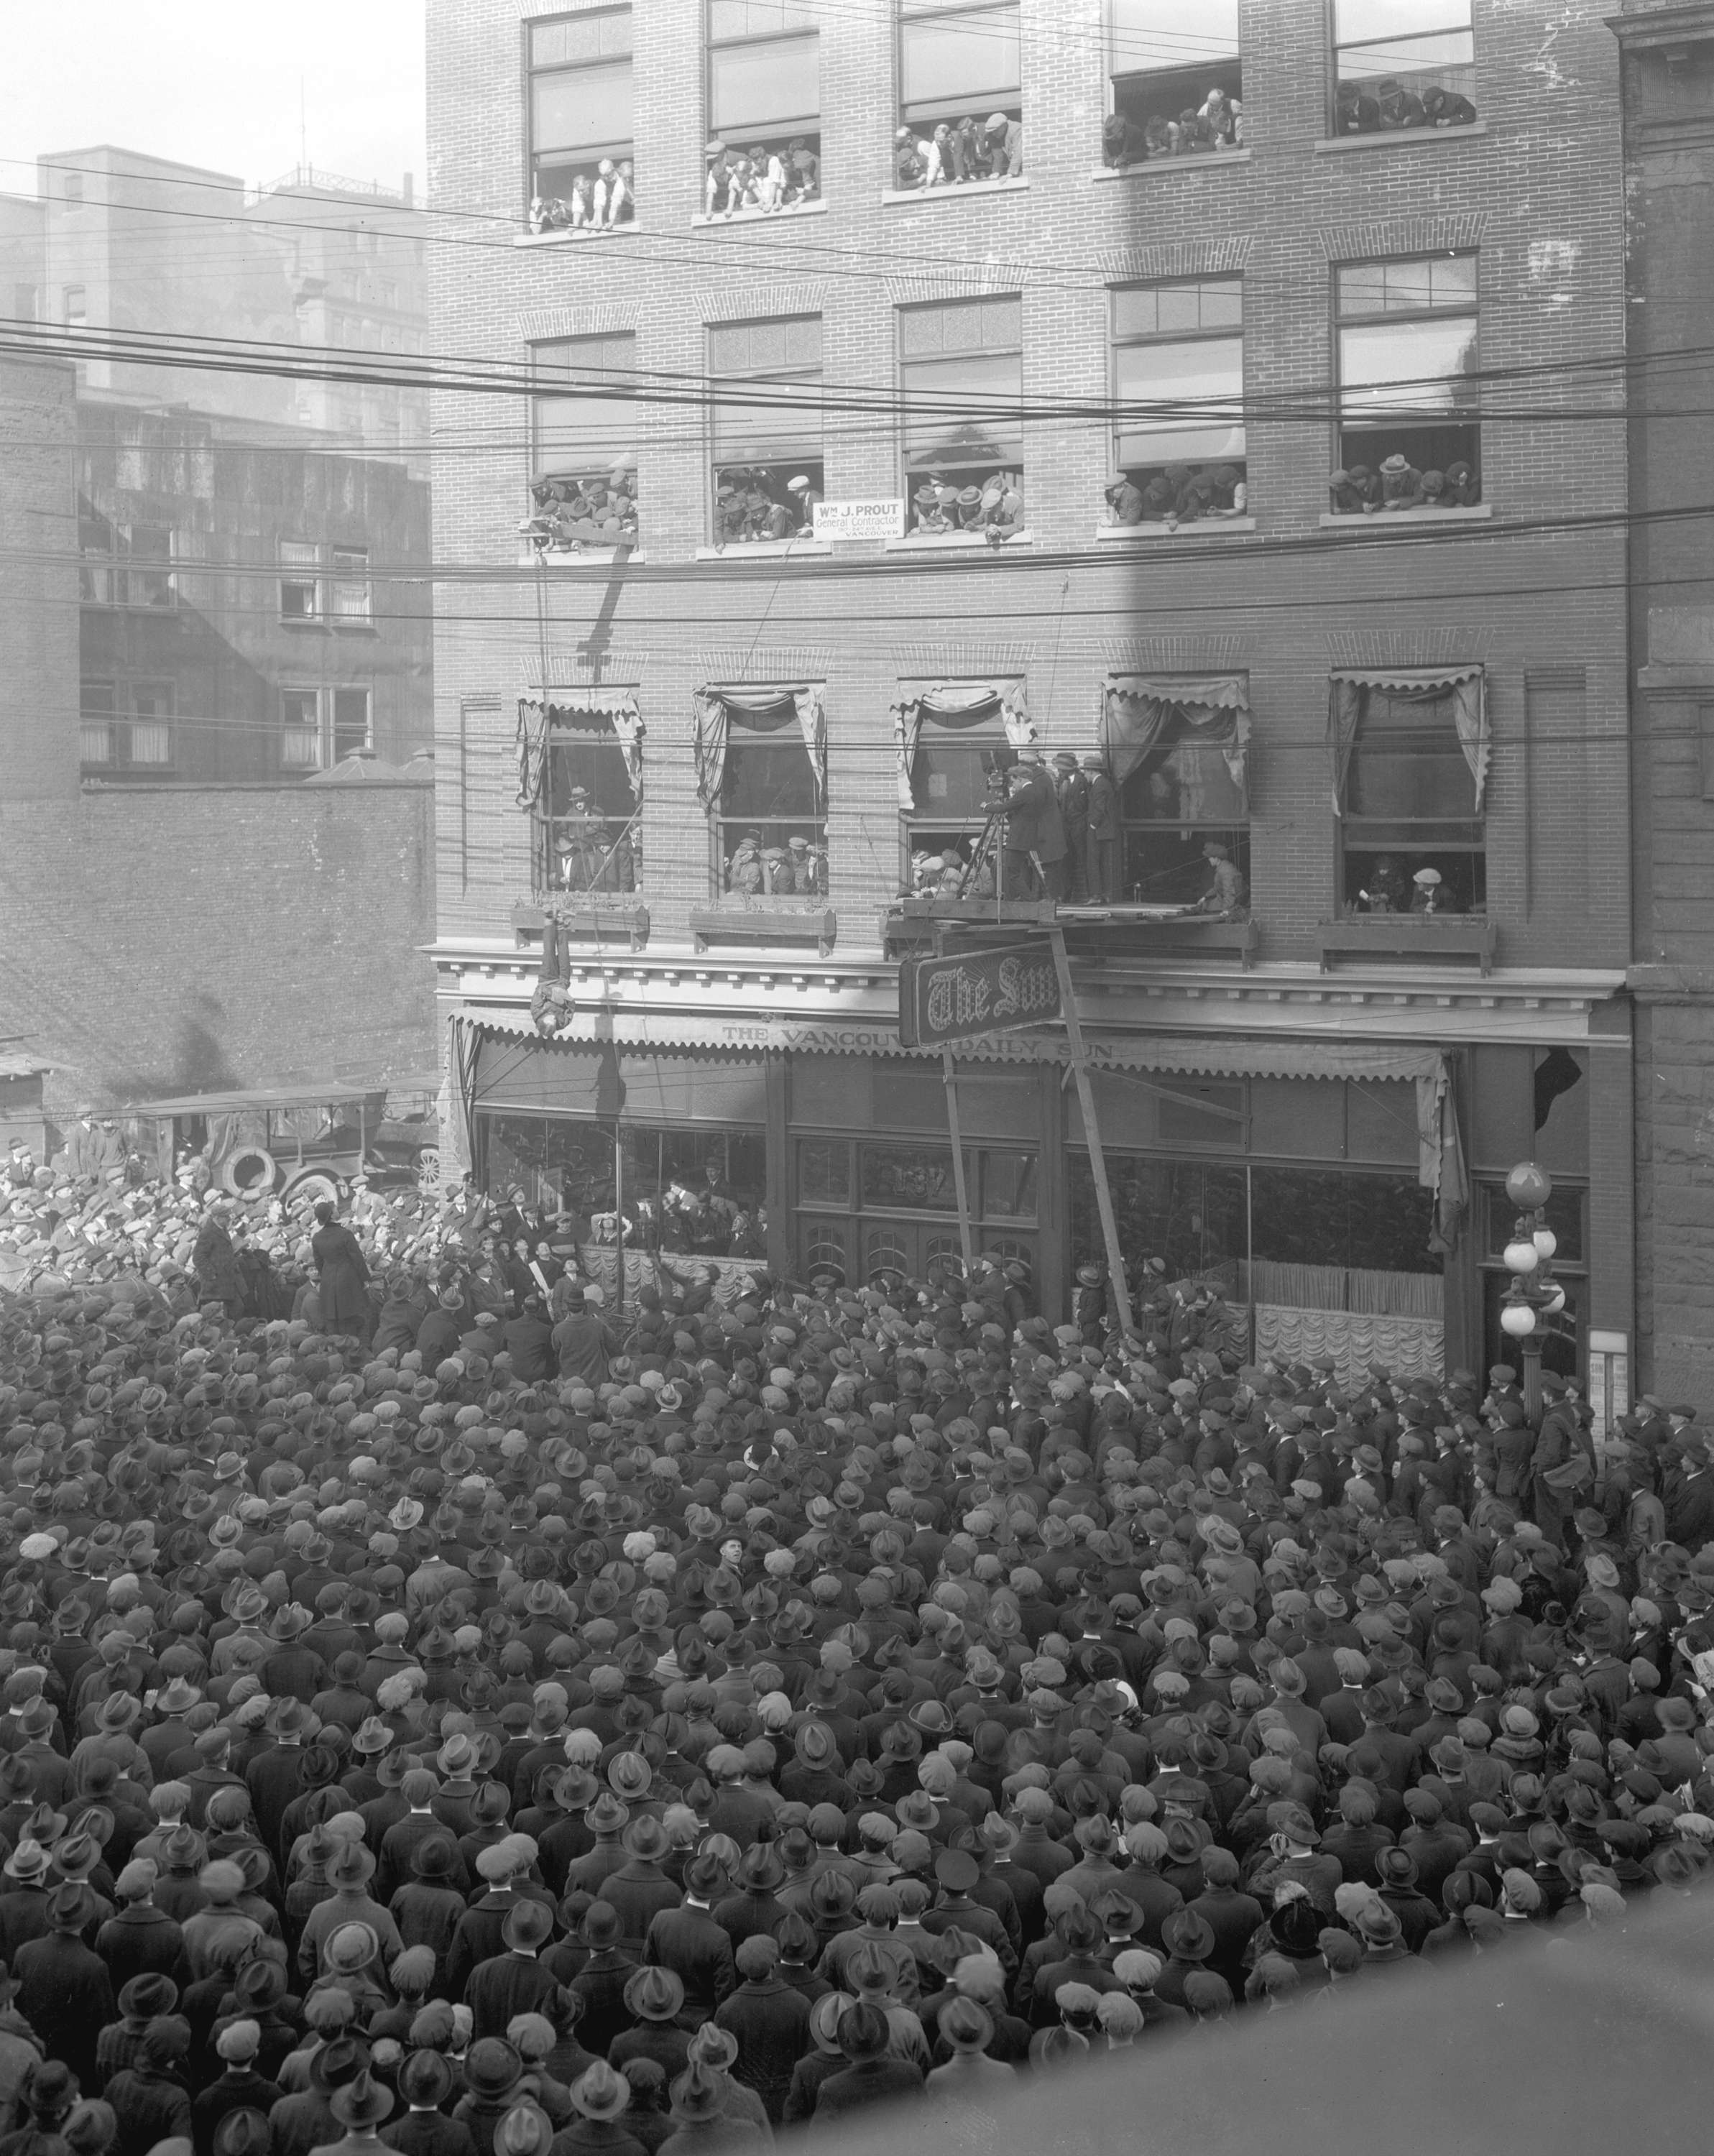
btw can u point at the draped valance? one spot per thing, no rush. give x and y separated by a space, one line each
756 710
1142 714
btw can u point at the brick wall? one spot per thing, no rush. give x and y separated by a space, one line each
159 942
1537 193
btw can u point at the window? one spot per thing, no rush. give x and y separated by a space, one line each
148 575
351 721
584 468
953 760
137 736
1408 435
903 1194
961 95
1410 802
72 190
99 582
76 308
1178 368
961 367
769 825
300 580
585 835
1179 769
320 727
348 601
24 302
766 419
1176 80
581 173
764 106
1402 63
300 730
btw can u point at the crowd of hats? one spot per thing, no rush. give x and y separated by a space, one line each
857 1693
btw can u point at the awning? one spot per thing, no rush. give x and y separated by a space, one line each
1215 1057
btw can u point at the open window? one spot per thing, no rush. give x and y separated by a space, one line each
1177 747
1178 385
960 117
581 172
580 775
1408 435
1410 752
762 776
948 739
961 367
765 414
584 468
1399 65
764 107
1175 78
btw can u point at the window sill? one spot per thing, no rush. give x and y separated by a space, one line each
1480 512
949 190
353 627
571 235
765 550
712 220
1155 168
1336 145
1410 935
814 922
955 542
1203 527
592 557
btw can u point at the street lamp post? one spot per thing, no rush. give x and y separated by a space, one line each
1534 1295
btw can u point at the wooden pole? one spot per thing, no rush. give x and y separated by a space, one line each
618 1207
1091 1129
949 1074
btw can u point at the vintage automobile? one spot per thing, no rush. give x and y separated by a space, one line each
300 1142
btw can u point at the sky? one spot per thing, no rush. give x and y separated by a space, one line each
216 83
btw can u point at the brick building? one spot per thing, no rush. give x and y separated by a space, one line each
1124 347
1669 114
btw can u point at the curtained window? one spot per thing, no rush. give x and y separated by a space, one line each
1177 747
1164 57
762 776
949 740
580 775
1407 357
1410 752
765 416
583 466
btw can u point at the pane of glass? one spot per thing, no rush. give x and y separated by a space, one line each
96 699
1171 34
1190 1215
299 554
1008 1186
1332 1222
1565 1217
1203 380
94 743
759 431
768 778
589 431
1188 784
1427 361
583 108
1136 312
350 721
1360 20
1407 764
757 18
824 1249
1445 280
963 410
824 1172
581 37
300 707
150 743
909 1178
974 55
754 87
950 777
152 700
300 748
1438 55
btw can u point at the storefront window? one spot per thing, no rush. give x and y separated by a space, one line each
907 1196
1319 1217
698 1190
1190 1215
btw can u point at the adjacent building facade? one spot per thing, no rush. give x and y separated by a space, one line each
1107 345
1669 110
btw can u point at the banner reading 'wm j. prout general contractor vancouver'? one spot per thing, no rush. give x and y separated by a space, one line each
979 992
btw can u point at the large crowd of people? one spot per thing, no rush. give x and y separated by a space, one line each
447 1712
